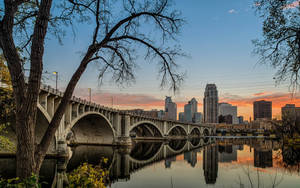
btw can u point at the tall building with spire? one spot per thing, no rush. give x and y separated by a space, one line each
210 104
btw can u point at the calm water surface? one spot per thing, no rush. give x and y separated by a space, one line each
226 163
196 163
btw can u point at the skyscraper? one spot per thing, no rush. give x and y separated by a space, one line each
190 111
262 109
210 104
197 117
188 115
194 105
181 116
171 109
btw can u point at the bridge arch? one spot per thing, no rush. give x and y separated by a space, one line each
177 146
195 131
177 129
206 132
153 125
195 142
92 128
154 151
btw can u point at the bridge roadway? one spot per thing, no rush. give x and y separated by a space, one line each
85 122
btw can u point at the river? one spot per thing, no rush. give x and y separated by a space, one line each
180 163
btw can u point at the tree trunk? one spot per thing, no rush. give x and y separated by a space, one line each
25 145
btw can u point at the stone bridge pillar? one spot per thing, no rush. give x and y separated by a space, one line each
165 151
124 126
165 129
117 124
188 130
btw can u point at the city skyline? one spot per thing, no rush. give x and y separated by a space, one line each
227 62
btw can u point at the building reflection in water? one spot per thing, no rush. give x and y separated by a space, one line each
169 161
227 153
210 164
122 162
191 158
263 158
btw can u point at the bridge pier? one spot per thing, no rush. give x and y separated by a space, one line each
122 131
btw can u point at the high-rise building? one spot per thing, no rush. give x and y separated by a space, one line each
191 111
170 109
210 104
194 105
197 117
161 114
225 119
181 116
188 115
241 119
225 109
262 109
291 112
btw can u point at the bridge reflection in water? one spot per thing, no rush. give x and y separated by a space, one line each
123 162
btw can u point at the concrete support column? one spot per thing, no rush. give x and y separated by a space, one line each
61 129
127 126
43 100
165 151
75 107
68 115
165 129
56 103
189 130
50 105
201 131
81 109
117 123
122 127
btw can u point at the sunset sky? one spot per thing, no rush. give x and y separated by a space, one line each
217 38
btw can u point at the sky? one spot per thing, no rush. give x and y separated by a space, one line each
217 38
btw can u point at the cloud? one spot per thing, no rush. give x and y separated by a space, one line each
259 94
232 11
278 99
148 102
126 101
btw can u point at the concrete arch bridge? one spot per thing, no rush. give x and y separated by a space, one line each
85 122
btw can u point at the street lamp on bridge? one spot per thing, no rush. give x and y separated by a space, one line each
56 75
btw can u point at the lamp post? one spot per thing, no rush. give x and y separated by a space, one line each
56 75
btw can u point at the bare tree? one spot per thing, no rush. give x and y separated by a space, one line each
280 45
118 31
